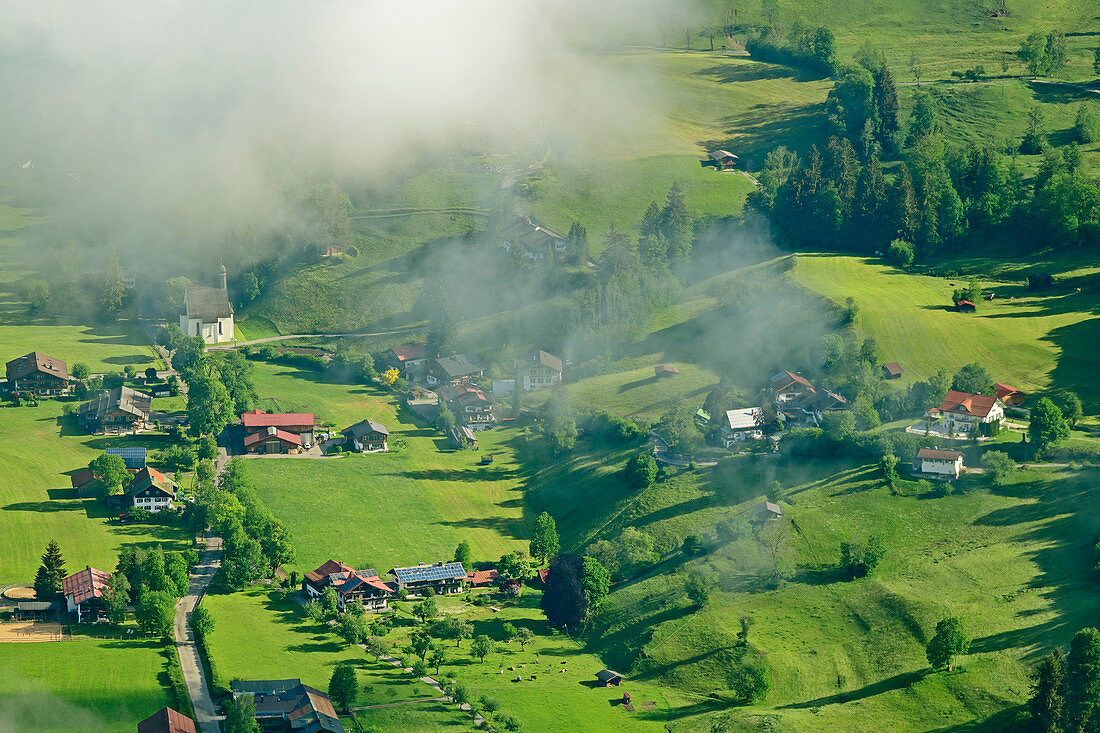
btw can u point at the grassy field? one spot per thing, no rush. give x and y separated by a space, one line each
55 687
1031 341
38 503
418 501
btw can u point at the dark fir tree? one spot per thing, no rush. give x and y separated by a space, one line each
47 581
1082 682
1046 700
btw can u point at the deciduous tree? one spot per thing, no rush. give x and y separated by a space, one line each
343 686
544 538
1047 426
948 642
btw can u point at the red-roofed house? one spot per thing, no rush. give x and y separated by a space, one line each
405 357
965 411
291 422
84 594
1009 395
167 720
362 586
480 578
272 440
786 386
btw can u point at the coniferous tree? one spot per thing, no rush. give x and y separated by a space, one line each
886 109
47 581
675 224
1082 681
1046 693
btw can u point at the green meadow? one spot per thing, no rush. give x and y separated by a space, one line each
85 685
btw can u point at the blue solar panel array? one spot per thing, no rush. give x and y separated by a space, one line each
430 572
132 457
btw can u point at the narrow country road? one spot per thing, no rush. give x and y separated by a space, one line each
270 339
206 716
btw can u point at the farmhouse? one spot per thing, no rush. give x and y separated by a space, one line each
940 462
786 386
37 373
151 490
452 370
167 720
355 586
892 370
442 577
85 592
472 407
965 412
724 160
534 241
609 678
1009 396
271 440
207 312
538 370
367 436
292 422
482 578
409 359
282 708
741 425
119 410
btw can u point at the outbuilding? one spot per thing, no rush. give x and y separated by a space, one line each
609 678
940 462
892 370
965 306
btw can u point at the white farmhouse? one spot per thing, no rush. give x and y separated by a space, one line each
941 462
743 424
207 312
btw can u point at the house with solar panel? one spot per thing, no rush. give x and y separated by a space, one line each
86 594
151 490
442 577
352 586
367 436
286 706
118 411
134 457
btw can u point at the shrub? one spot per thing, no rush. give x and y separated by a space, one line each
900 254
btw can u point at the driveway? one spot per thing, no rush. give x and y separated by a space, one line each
206 716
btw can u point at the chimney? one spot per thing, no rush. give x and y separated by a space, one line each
221 275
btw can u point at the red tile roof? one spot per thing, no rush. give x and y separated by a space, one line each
482 577
967 404
85 584
965 302
260 419
329 568
167 720
405 352
1003 390
271 432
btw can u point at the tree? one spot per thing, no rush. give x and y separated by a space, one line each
390 377
524 636
1035 137
314 609
860 558
209 407
376 646
437 659
1082 681
698 587
240 715
900 254
544 538
509 631
1086 126
455 628
464 555
595 580
1096 61
948 642
207 448
559 424
443 333
421 645
330 601
675 224
202 622
775 541
693 544
277 544
923 120
110 471
156 612
344 686
80 371
839 425
481 647
564 599
1070 405
641 469
111 293
998 467
445 420
118 598
973 378
47 581
37 293
1047 427
888 464
748 679
426 609
352 627
1047 693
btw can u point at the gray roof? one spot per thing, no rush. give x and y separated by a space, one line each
364 427
263 686
539 358
438 571
744 419
207 304
605 675
123 399
458 365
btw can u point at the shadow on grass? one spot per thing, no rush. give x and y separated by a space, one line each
897 682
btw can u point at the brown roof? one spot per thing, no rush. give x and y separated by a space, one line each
37 362
148 478
261 419
167 720
85 584
482 577
418 350
272 432
82 477
330 567
893 368
786 378
1003 390
665 369
122 399
539 358
967 404
938 455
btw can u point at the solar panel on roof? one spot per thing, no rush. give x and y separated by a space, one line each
133 457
